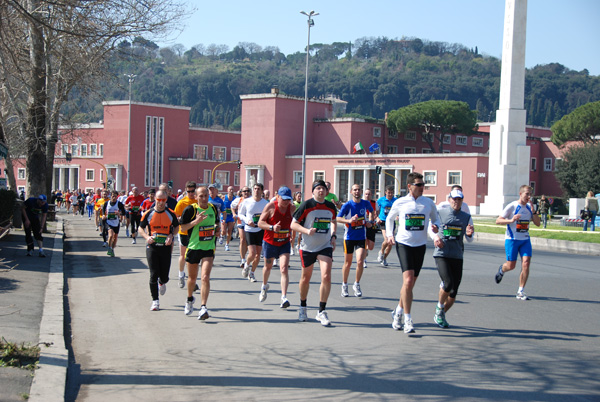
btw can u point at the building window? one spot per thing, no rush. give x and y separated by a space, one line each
376 131
222 177
432 197
101 175
426 150
410 150
235 154
547 164
319 175
236 179
219 153
410 135
93 150
427 137
392 134
461 140
447 139
297 177
477 142
430 177
201 152
392 149
101 150
89 190
153 164
21 173
64 149
74 150
454 177
89 174
533 164
446 151
83 150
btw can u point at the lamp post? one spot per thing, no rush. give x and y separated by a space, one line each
310 24
131 77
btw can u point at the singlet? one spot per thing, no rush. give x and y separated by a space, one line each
160 225
250 212
283 236
201 236
519 229
320 216
355 230
227 208
111 211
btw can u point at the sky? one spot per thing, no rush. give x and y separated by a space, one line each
558 31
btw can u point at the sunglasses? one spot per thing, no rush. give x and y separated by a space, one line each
160 199
191 191
418 184
245 191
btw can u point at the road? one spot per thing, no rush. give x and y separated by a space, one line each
499 348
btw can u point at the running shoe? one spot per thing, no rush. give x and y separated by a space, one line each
29 253
365 264
344 290
275 262
155 306
104 244
263 293
251 277
292 251
182 281
297 249
302 314
522 296
356 288
245 271
189 306
42 254
384 262
408 326
162 288
227 247
203 314
379 257
323 319
284 302
396 320
96 228
127 232
220 240
499 275
440 318
133 241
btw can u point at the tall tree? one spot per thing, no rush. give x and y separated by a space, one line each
579 170
582 124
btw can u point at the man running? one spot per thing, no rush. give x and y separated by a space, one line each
214 199
112 211
250 212
158 227
227 224
414 212
384 204
354 214
99 210
34 208
133 204
235 208
516 216
186 201
371 230
275 220
201 221
315 220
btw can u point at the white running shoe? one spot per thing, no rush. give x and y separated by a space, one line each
243 263
408 326
133 241
227 247
251 277
155 305
302 314
356 288
323 319
189 306
344 290
365 264
284 302
379 257
384 262
396 320
162 288
275 262
522 296
263 293
245 271
203 314
220 240
292 251
182 281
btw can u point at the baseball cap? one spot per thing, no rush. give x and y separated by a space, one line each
42 197
285 193
212 186
318 183
456 193
179 191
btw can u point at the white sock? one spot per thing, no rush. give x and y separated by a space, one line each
181 274
407 317
521 289
440 306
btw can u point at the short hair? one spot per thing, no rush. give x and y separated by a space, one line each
525 187
262 187
412 176
190 183
389 188
114 192
456 186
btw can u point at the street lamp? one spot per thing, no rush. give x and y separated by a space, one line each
310 24
131 77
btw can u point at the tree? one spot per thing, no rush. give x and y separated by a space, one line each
436 118
582 124
579 170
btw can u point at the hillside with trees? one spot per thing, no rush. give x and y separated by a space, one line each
374 75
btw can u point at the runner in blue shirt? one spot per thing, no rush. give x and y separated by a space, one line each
384 204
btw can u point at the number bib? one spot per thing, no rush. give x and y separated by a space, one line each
206 233
522 226
135 208
359 223
111 216
160 239
255 218
322 225
281 236
414 222
452 232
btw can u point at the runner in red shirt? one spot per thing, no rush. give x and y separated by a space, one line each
133 204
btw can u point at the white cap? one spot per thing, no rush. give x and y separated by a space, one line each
456 193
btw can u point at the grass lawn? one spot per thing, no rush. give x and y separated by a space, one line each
553 231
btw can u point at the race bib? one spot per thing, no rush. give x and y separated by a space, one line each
386 210
414 222
281 236
160 239
522 226
452 232
358 224
255 218
322 225
111 215
228 211
206 233
135 208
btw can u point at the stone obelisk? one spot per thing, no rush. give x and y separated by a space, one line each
508 153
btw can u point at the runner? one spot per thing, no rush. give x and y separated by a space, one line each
214 199
295 246
32 208
449 250
275 220
112 211
228 223
148 202
68 200
158 227
235 207
201 220
250 212
384 204
415 212
59 199
372 230
89 202
516 216
189 199
315 220
354 214
133 204
97 196
99 212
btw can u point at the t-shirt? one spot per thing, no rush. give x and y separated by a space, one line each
180 207
332 198
201 236
355 230
414 216
250 211
33 210
519 229
135 203
217 202
452 232
384 207
160 225
313 214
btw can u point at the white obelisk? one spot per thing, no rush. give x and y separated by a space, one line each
508 153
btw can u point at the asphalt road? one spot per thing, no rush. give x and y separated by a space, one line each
497 348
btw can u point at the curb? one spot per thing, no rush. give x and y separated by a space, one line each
561 246
50 377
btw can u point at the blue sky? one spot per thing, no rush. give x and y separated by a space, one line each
563 31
